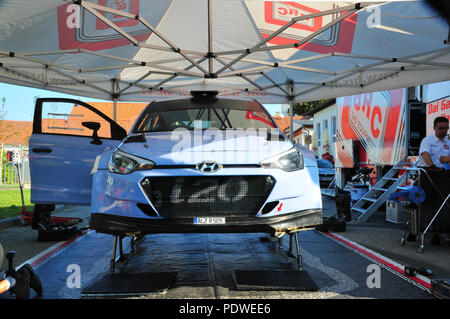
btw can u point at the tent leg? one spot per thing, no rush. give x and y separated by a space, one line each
123 258
299 256
112 262
290 87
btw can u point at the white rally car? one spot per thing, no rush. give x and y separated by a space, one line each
200 164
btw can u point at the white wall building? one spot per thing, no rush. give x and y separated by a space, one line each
325 124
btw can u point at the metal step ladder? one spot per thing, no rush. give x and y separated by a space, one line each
380 192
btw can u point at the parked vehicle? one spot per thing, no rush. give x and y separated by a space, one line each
200 164
326 172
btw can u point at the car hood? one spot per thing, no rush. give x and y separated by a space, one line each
191 147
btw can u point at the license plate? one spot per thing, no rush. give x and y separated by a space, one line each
209 220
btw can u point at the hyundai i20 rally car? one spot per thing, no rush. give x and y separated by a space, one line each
200 164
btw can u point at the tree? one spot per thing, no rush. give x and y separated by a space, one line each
2 117
2 108
304 107
5 129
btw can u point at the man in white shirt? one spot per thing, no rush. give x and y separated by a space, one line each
435 149
435 154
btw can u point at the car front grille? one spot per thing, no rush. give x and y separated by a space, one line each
203 196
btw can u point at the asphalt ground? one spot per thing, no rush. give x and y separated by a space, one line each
385 237
204 266
376 235
23 239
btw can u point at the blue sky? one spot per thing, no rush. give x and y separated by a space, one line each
19 104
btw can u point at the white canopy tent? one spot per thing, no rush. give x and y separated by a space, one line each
275 52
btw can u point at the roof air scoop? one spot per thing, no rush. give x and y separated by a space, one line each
204 95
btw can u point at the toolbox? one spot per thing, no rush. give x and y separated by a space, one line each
58 233
411 217
394 212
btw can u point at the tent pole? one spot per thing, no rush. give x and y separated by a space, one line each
210 39
115 110
258 47
114 96
290 88
291 120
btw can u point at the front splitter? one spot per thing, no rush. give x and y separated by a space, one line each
128 226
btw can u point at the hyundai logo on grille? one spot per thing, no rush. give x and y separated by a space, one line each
208 166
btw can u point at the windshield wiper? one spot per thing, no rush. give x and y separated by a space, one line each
153 131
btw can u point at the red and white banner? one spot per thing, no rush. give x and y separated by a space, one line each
435 109
79 29
374 123
269 16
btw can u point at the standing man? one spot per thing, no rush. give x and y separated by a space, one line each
435 149
435 154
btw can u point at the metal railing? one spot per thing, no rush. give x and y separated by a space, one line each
422 238
9 172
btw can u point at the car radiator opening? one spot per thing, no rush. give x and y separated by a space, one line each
204 196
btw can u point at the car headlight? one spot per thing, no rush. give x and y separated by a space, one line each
289 161
123 163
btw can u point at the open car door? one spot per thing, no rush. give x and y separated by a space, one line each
67 137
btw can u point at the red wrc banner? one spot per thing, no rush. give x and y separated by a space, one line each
374 123
269 16
258 116
79 29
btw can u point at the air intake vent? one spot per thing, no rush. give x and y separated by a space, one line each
207 95
147 209
269 207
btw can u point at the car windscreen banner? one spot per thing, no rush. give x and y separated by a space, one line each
435 109
374 123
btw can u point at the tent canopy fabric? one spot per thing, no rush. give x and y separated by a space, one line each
271 51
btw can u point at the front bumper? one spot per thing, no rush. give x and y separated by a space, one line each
130 226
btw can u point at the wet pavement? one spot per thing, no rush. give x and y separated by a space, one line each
356 263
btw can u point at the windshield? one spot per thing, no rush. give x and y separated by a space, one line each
324 164
215 115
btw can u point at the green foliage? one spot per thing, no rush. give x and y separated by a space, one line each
305 107
3 167
3 157
11 202
4 127
2 108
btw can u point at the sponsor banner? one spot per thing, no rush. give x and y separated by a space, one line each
269 16
368 121
80 29
435 109
259 116
376 122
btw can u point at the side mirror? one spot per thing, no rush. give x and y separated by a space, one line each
95 126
